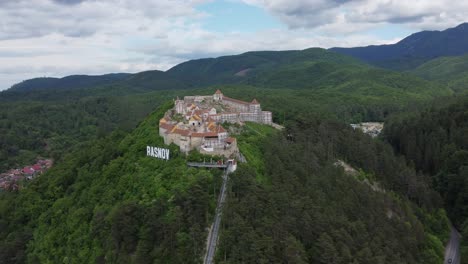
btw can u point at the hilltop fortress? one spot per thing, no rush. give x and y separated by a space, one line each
196 122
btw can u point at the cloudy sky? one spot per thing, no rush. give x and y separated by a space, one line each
62 37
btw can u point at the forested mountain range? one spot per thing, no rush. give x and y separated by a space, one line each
68 82
409 53
46 116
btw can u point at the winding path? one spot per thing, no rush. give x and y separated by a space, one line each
214 231
452 251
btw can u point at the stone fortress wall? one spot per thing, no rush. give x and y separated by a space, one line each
196 122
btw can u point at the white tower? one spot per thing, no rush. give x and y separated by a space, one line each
179 106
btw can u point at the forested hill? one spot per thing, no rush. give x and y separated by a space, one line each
110 203
51 128
235 69
435 141
311 69
306 210
238 68
450 71
79 86
69 82
415 49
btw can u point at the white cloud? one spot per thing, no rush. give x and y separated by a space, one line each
62 37
337 14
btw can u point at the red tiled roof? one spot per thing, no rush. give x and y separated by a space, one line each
218 92
230 140
254 101
182 132
221 129
37 167
205 134
28 170
234 100
166 126
201 112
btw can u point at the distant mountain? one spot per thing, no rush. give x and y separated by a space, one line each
237 68
415 49
313 69
451 71
316 70
69 82
76 86
262 67
153 80
342 78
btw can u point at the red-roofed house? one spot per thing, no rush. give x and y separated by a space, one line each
28 170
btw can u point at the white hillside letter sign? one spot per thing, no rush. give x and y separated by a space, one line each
156 152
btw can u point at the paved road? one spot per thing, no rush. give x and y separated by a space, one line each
214 232
452 251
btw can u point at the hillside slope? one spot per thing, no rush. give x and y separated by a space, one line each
435 141
52 128
79 86
450 71
346 79
292 205
68 82
316 72
110 203
414 49
237 68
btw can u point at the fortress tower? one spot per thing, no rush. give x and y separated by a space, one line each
218 96
179 106
254 106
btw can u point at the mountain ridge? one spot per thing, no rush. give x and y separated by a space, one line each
68 82
407 54
413 50
450 71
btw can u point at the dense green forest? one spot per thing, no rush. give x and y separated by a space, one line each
435 141
110 203
449 71
303 209
53 128
238 68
